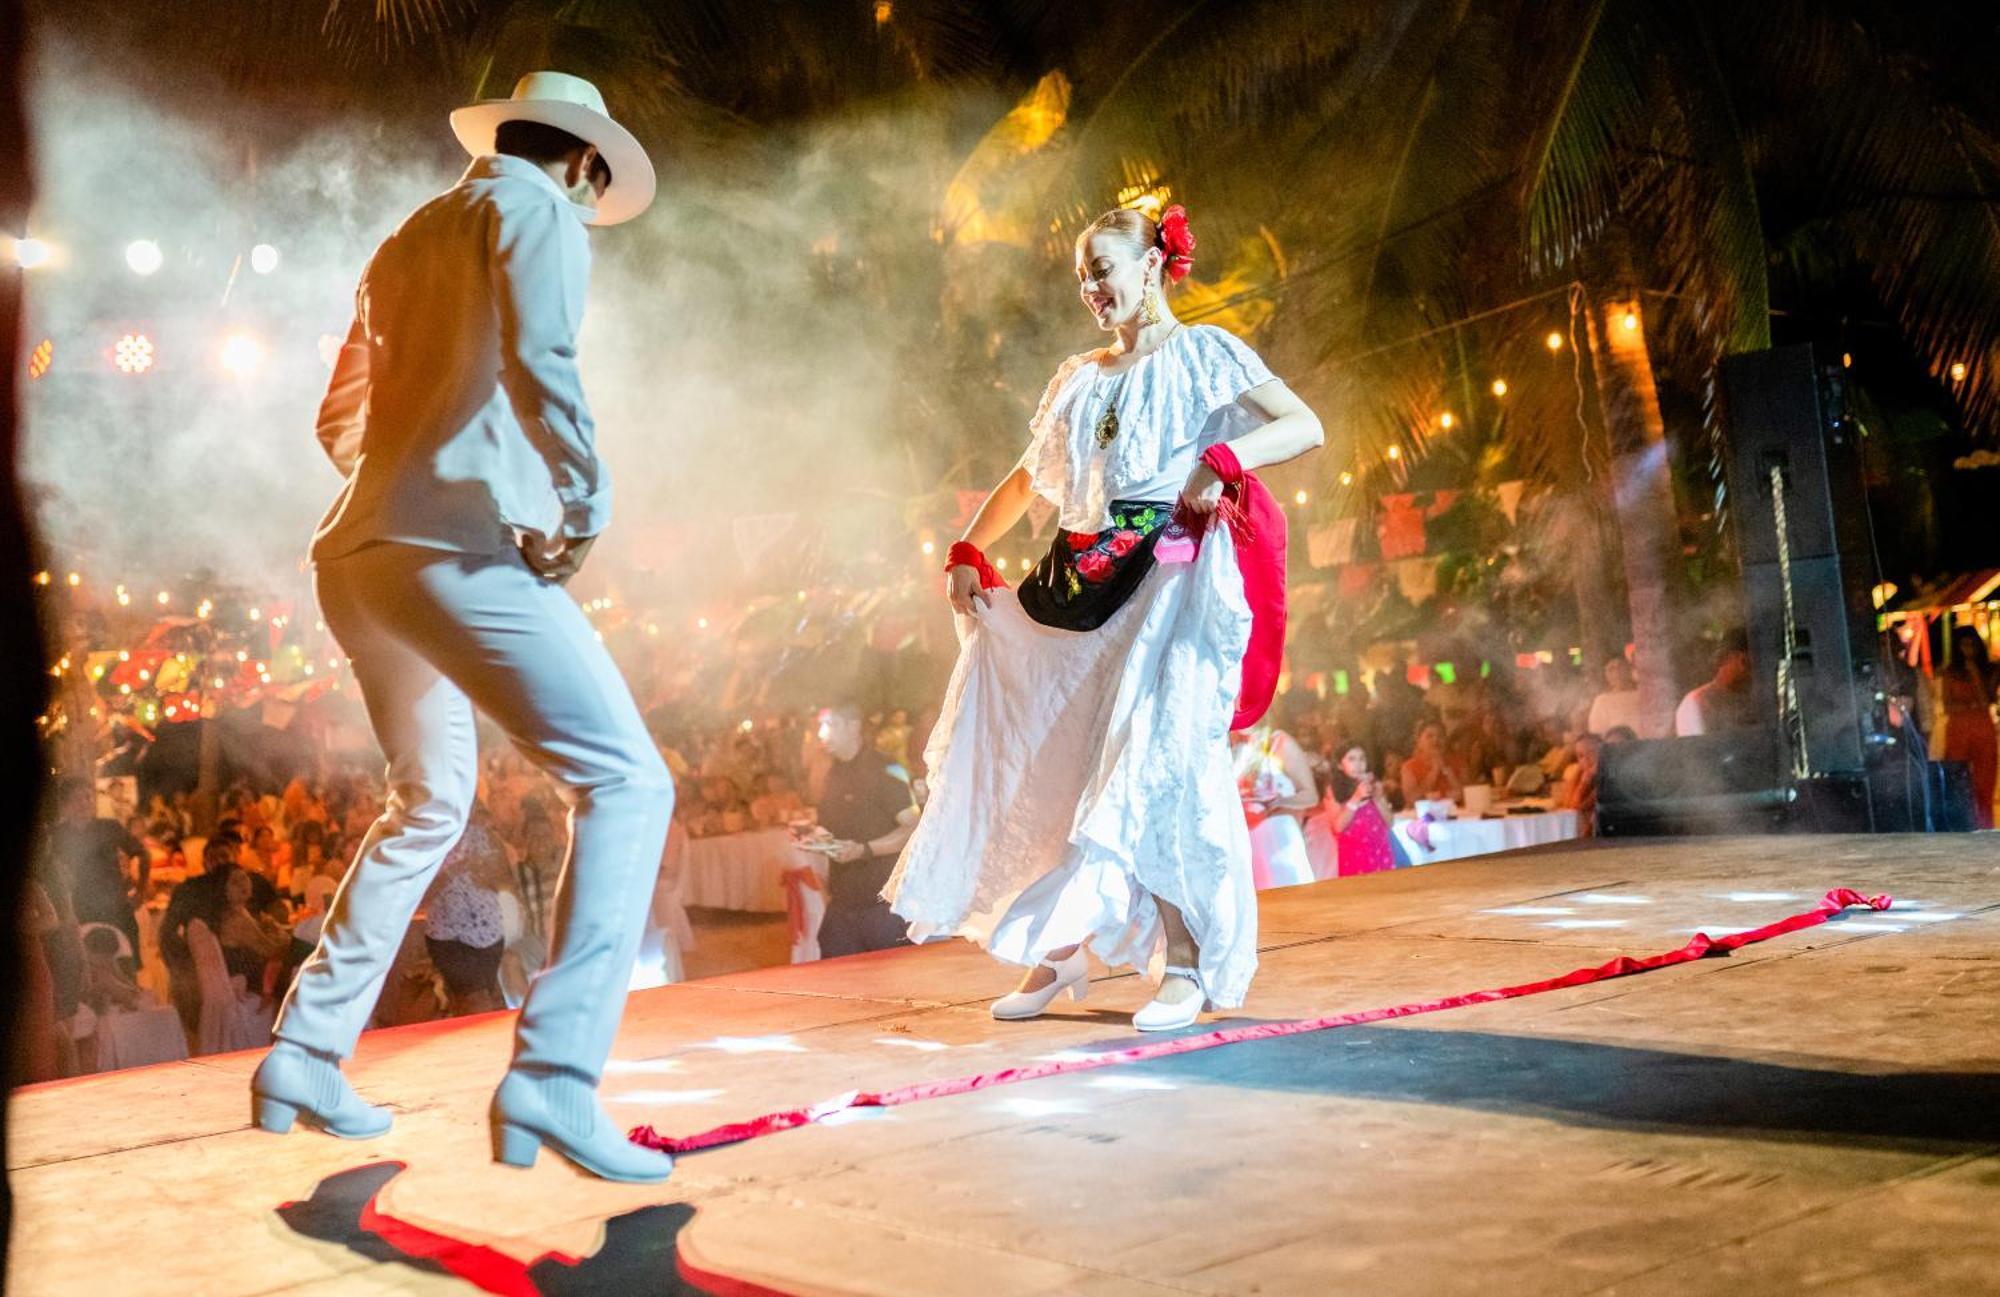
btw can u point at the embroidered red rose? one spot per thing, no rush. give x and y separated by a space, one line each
1123 542
1095 565
1080 541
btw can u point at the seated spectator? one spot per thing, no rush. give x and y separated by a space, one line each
1427 772
776 803
1578 791
462 917
249 933
107 986
1618 704
1724 702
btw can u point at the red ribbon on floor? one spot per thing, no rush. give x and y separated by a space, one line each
1701 946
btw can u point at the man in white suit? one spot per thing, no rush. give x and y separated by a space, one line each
473 492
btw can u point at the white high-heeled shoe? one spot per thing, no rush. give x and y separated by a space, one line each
1072 975
1161 1016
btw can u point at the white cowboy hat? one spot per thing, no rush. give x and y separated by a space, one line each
570 104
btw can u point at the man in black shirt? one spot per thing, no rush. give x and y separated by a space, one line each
859 805
90 855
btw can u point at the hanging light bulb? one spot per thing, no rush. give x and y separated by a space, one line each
1499 387
1445 421
1631 321
1554 341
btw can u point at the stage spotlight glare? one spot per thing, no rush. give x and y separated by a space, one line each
144 256
263 258
133 353
242 354
30 253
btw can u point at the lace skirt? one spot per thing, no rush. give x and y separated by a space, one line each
1074 776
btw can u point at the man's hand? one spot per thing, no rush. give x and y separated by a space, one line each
560 565
849 852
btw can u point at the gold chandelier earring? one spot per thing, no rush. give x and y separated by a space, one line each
1149 306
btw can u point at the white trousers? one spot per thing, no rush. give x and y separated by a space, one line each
433 634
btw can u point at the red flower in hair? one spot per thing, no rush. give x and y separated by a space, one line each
1177 241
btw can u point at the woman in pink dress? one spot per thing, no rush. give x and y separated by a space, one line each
1360 817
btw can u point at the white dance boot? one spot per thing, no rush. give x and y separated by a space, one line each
1161 1016
294 1082
1072 975
560 1109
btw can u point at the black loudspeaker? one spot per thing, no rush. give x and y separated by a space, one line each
1788 416
1726 782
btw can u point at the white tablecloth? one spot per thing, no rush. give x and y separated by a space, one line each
136 1037
1457 839
741 871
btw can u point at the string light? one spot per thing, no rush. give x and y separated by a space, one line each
1554 341
1631 321
75 579
1445 421
1396 452
30 253
242 354
263 258
133 353
1499 387
929 548
144 257
1958 371
1847 360
1347 479
1299 497
42 578
163 598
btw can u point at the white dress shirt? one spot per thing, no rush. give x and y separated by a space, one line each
455 410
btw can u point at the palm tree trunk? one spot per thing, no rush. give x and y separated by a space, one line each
1600 631
1642 493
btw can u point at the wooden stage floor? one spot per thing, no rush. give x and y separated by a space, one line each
1820 1112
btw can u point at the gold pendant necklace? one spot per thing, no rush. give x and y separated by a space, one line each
1107 422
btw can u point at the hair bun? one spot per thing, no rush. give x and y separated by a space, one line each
1177 241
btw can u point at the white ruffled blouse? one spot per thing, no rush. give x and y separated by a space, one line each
1173 403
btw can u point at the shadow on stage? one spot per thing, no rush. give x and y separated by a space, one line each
640 1251
1826 1101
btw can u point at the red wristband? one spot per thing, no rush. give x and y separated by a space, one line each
963 553
1222 459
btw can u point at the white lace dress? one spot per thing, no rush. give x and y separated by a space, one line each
1076 775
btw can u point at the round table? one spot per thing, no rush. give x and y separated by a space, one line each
741 871
1456 839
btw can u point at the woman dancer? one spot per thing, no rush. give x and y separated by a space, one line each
1080 774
